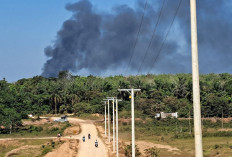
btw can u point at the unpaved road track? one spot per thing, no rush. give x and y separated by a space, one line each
87 148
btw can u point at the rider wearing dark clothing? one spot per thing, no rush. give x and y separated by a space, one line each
96 143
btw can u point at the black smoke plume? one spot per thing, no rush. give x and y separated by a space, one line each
99 43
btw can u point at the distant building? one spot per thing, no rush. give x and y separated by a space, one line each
163 115
63 118
30 116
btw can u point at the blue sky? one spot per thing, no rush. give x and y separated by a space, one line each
27 27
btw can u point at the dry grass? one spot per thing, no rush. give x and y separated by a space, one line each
7 146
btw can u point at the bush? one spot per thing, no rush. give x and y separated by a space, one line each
152 152
128 151
35 129
216 146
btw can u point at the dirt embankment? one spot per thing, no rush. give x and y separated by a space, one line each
38 122
17 150
67 149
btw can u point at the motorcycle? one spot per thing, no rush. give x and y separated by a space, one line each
89 136
96 145
83 139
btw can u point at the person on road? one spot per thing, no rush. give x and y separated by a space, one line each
96 143
58 135
83 138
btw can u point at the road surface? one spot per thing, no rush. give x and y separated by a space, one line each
88 148
85 149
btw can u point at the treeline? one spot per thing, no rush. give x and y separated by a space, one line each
68 94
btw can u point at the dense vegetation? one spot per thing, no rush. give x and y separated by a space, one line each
68 94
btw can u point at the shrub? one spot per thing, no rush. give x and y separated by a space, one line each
216 146
128 151
152 152
35 129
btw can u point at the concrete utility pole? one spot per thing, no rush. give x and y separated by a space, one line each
131 91
113 127
117 127
105 116
109 120
113 98
108 103
195 77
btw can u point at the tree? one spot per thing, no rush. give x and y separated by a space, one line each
80 108
9 118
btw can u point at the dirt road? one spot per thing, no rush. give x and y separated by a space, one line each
85 149
88 148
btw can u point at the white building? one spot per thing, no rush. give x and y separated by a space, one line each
163 115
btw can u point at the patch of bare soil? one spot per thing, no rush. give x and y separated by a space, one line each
8 143
72 130
96 114
225 129
143 145
68 149
37 122
17 150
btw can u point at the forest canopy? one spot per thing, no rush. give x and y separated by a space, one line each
78 94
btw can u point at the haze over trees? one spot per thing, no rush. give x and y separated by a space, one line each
77 94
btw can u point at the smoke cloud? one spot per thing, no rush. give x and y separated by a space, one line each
100 43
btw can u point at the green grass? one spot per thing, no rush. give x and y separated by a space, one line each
7 146
175 133
38 130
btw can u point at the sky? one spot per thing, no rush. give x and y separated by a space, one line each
96 37
27 27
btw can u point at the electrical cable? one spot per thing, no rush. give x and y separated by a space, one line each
156 57
153 34
135 43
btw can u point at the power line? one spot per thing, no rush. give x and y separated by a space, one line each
133 48
153 34
156 57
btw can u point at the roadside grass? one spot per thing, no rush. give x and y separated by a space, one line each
48 130
50 146
176 133
6 146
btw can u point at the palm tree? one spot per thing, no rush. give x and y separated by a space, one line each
56 99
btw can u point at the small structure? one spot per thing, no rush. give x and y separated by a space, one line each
63 118
163 115
30 116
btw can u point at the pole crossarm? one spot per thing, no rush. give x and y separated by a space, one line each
110 98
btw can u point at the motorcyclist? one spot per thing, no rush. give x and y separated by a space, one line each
83 138
58 135
89 136
96 143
